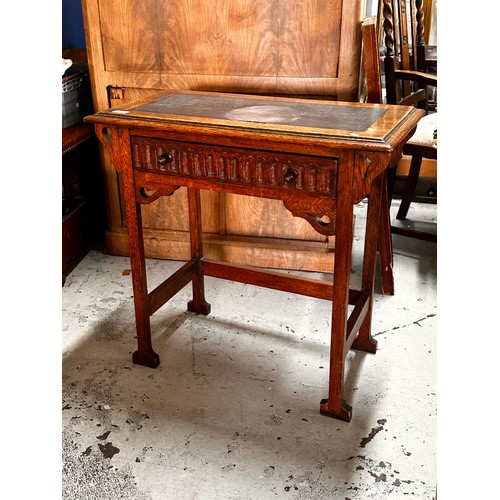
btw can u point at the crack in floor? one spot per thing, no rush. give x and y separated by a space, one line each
417 322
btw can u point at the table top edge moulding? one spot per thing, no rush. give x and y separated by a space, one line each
317 157
296 120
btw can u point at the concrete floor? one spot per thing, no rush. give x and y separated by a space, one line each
232 412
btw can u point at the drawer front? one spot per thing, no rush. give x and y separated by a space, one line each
244 167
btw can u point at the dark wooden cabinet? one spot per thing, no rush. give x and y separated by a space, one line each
83 210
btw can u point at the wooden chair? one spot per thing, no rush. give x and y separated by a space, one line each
408 82
373 94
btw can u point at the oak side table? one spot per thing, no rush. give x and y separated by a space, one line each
318 157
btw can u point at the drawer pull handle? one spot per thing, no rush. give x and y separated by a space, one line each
290 176
165 158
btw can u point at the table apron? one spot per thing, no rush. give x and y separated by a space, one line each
314 175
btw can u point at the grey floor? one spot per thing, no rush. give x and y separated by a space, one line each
232 412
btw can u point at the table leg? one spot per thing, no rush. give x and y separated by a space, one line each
364 340
145 354
198 304
335 406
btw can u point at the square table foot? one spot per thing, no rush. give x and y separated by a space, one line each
365 344
341 412
203 308
146 358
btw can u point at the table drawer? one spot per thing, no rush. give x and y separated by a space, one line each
236 166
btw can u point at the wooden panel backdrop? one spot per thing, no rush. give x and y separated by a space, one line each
309 48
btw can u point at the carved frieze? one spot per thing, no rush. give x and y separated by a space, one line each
244 167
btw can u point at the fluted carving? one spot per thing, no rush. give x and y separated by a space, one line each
237 166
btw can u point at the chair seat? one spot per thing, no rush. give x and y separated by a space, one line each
426 133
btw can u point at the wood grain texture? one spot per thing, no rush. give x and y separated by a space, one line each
129 36
310 38
218 38
171 212
249 216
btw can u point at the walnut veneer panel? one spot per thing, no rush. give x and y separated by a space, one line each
265 46
219 38
130 35
251 38
310 38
